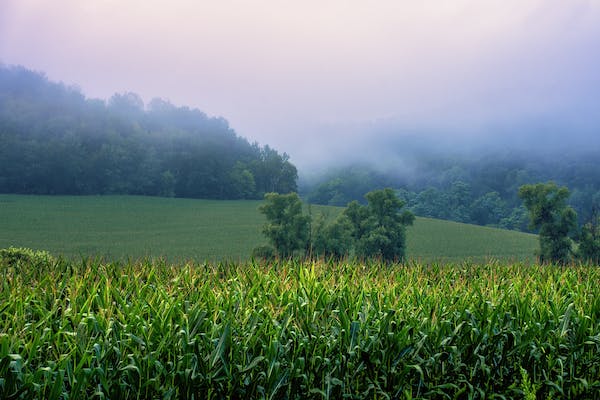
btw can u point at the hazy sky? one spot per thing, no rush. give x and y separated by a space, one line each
294 73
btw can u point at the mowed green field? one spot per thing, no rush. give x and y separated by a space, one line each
122 227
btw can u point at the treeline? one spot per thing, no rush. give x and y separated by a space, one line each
54 140
561 240
377 230
480 189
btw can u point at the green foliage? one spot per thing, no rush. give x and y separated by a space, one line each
339 187
21 257
55 141
529 390
264 253
243 182
333 239
379 228
486 209
274 173
518 219
300 330
589 241
287 228
556 221
357 214
375 230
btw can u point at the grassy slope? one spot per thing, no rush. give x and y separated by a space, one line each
432 239
128 226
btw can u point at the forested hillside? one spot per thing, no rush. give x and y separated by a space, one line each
478 186
54 140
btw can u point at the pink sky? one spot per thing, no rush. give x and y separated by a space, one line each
291 73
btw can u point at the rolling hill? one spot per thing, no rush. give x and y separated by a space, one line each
132 227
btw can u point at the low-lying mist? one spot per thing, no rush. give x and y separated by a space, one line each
466 177
403 151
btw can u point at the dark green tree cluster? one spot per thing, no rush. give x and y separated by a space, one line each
333 239
589 240
374 230
287 227
53 140
550 215
556 223
378 228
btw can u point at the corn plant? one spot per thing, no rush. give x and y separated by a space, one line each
288 330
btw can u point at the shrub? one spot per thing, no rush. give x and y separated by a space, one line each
266 253
15 257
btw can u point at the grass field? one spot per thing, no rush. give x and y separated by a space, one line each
121 227
293 330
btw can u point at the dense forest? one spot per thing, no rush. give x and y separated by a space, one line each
54 140
478 186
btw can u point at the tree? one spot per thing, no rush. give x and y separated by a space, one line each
379 228
589 240
334 239
556 221
273 172
431 202
242 182
488 209
287 228
459 199
358 215
128 103
518 219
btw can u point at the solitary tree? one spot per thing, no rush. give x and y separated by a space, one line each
556 221
287 228
379 228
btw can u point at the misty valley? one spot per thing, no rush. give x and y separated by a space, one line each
149 251
55 141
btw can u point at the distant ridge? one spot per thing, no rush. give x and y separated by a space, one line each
56 141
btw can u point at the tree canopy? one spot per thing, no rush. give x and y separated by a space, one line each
589 240
379 227
555 220
287 228
375 230
53 140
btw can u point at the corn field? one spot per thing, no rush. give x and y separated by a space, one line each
288 330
